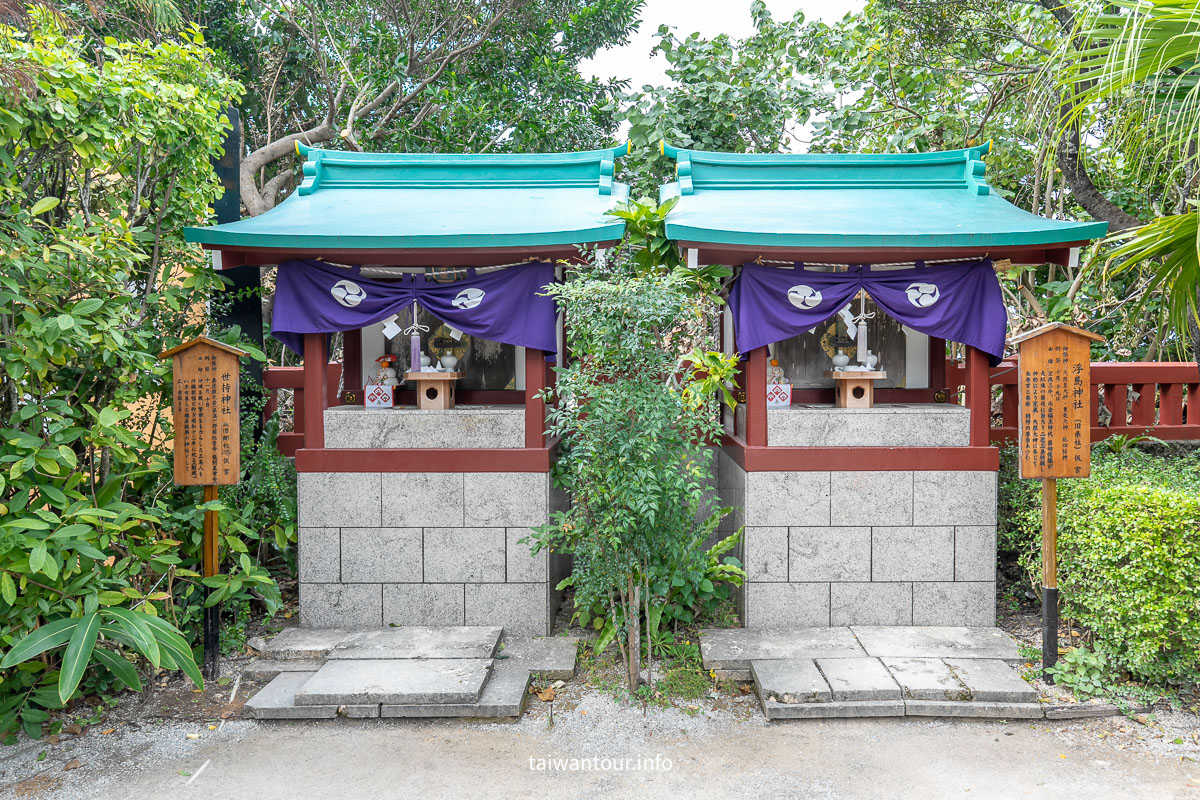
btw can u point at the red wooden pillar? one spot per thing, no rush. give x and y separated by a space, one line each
535 406
315 389
1170 404
1116 400
979 396
352 364
756 398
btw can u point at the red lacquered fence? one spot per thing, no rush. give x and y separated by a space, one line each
1132 398
276 378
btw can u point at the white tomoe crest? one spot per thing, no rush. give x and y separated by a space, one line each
802 296
923 295
348 293
468 298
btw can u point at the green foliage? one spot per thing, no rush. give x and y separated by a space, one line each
1129 554
104 156
1085 673
635 428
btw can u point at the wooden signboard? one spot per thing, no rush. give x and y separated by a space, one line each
1055 391
206 409
208 445
1055 439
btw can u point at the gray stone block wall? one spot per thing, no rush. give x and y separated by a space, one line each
426 549
864 547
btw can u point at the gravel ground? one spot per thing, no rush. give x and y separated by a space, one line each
724 748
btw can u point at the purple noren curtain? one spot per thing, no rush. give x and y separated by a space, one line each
960 302
505 306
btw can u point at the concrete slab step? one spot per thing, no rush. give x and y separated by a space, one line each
935 642
926 679
991 680
552 657
735 648
801 688
418 642
858 679
303 643
504 696
396 682
789 681
277 700
264 669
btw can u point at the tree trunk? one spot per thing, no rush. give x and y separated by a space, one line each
633 630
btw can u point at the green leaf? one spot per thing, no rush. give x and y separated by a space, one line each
37 557
44 205
121 669
8 589
77 656
173 644
51 635
134 625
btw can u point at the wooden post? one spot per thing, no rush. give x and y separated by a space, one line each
212 614
979 397
1054 439
756 398
314 390
1049 574
535 407
207 451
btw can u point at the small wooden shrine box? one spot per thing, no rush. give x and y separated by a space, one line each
435 390
854 388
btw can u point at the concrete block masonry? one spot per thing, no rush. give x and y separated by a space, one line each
864 547
426 549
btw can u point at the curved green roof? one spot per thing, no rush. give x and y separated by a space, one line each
390 201
852 201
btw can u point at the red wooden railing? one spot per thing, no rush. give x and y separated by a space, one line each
276 378
1132 398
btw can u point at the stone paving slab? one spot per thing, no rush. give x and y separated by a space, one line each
951 708
419 642
503 696
304 642
396 682
551 657
1088 709
276 700
858 679
735 648
991 680
835 710
934 642
789 681
263 669
926 679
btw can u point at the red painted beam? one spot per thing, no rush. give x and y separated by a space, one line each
424 460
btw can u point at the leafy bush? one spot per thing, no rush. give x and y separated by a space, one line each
636 409
1129 556
105 153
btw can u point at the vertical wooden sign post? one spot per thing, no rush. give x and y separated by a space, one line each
1055 439
207 448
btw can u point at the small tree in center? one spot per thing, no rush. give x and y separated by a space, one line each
636 411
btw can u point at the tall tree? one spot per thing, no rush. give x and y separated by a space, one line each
414 75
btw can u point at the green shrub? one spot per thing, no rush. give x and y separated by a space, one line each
1131 575
1129 555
